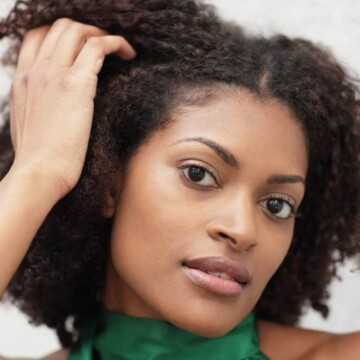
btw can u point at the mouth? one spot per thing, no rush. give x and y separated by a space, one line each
217 275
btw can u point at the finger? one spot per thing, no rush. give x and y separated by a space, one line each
17 101
17 96
72 41
13 128
30 48
92 55
51 39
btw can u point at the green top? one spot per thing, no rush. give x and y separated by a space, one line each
113 336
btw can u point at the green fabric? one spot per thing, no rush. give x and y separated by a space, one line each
113 336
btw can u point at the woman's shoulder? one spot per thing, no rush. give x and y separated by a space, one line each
57 355
286 343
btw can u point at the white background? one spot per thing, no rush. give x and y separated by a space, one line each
333 23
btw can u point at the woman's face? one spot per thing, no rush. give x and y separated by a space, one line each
216 191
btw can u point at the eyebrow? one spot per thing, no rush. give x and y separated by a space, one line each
224 154
231 160
285 179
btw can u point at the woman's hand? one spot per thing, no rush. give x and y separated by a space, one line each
51 111
52 98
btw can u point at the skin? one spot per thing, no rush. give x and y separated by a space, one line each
51 110
56 77
162 219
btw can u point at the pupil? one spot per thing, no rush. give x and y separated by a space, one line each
275 206
196 173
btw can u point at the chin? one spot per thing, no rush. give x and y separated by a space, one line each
209 329
209 323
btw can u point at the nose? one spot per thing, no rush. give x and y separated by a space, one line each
235 223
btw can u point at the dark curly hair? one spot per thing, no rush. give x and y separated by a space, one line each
183 46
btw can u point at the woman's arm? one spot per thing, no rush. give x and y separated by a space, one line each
26 197
51 110
288 343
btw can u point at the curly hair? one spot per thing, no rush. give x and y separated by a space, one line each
184 47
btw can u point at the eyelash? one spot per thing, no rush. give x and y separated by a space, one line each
202 167
293 214
293 211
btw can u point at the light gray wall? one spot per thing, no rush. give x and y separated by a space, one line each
333 23
4 75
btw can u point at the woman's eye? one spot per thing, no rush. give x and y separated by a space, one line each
279 208
199 175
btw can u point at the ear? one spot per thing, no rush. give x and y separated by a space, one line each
109 206
112 196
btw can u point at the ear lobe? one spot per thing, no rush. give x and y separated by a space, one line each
109 206
112 196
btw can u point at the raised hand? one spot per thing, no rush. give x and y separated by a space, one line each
51 111
52 97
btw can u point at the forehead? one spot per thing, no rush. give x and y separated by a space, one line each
208 103
263 129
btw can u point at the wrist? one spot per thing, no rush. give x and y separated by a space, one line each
35 182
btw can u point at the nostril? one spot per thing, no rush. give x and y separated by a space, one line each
252 246
225 236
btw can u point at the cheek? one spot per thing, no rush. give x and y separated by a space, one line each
273 252
151 221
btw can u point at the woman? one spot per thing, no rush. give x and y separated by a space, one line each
170 219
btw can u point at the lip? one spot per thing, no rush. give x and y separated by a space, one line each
196 270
